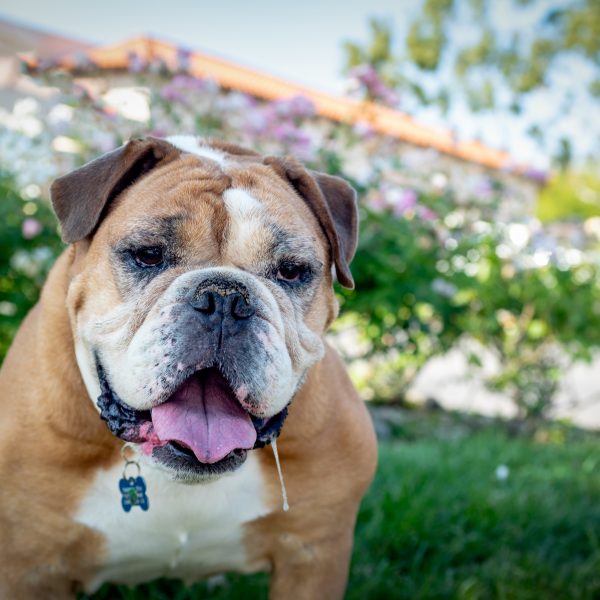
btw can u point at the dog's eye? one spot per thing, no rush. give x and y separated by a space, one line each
291 272
152 256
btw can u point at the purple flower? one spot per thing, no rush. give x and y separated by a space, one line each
183 59
173 94
296 107
191 83
30 228
537 175
368 77
255 123
302 147
287 132
406 200
365 74
181 86
136 63
484 188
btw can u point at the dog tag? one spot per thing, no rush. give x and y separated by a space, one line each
133 489
133 493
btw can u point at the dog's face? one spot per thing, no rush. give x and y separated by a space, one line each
202 284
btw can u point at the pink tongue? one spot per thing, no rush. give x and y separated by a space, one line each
204 417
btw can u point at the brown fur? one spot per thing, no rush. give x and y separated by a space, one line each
52 441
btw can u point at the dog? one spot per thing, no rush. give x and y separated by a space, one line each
177 336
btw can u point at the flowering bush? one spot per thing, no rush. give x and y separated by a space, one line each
441 255
28 246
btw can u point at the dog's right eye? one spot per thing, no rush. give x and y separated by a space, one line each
152 256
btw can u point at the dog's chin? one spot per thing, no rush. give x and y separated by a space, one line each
181 464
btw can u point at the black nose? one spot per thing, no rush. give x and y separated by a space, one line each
226 303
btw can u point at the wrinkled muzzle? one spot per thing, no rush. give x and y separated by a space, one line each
208 372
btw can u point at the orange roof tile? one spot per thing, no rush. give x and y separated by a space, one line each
380 118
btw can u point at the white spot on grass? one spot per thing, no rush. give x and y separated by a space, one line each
502 472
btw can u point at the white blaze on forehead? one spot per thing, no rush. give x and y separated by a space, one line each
241 204
194 145
245 217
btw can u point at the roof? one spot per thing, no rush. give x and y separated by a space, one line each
229 75
15 37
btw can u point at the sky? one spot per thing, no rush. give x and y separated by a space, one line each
298 41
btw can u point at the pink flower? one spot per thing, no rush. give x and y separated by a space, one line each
407 201
427 214
364 130
30 228
377 203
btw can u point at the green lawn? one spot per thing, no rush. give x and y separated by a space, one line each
438 523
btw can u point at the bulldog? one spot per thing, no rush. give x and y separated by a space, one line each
178 335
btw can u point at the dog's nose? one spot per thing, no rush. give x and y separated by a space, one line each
204 303
237 306
227 303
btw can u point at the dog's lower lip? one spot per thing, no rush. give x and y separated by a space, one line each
177 447
181 449
186 466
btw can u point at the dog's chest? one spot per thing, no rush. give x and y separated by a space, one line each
189 531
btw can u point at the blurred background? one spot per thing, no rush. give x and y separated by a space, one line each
471 130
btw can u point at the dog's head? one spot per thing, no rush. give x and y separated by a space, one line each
202 284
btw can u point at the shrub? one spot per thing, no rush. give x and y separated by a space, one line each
28 247
436 264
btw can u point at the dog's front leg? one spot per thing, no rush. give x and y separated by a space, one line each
305 570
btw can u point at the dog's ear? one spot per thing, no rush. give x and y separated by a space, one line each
81 197
333 202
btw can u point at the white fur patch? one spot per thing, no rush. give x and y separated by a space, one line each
189 531
245 224
88 371
194 145
240 203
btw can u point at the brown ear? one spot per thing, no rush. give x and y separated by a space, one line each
80 197
333 202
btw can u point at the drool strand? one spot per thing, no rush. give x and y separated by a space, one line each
286 506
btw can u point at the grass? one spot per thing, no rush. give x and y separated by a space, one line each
438 522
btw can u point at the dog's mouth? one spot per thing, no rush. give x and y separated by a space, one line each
204 417
201 429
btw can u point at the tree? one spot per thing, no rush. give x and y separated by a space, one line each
495 56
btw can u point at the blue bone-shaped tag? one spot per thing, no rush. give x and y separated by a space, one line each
133 490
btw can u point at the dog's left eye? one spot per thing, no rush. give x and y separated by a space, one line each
291 272
152 256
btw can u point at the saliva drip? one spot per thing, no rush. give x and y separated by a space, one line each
286 506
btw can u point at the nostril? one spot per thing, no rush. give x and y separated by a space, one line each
205 303
240 308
